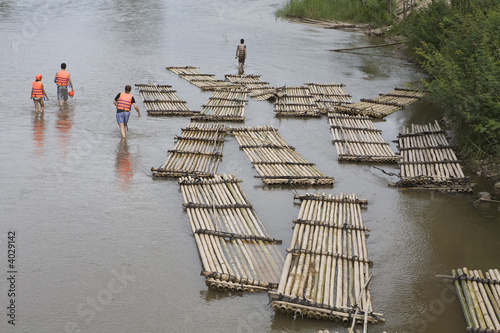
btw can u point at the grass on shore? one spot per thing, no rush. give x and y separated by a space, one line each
373 11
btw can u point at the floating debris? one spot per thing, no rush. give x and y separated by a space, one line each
326 270
357 139
198 78
225 105
162 100
276 161
235 249
383 105
428 162
479 296
197 152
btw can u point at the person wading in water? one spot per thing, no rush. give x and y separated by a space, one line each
37 93
62 79
241 54
123 102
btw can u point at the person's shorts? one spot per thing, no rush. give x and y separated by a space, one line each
122 117
241 59
62 93
39 99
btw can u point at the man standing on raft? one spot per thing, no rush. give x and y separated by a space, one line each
241 53
37 93
62 79
123 102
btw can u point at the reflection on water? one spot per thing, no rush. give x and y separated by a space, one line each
211 295
123 165
63 124
38 132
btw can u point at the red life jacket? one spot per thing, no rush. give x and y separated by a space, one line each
124 101
37 90
62 78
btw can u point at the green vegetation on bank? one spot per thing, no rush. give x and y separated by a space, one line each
458 45
371 11
457 42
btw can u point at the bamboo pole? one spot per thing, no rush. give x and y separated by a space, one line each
358 300
486 295
463 300
364 47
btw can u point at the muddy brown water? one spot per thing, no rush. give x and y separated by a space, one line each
104 247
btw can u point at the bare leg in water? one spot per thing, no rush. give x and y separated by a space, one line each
123 130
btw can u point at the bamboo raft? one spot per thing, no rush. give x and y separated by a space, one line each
197 152
258 89
357 139
162 100
326 270
225 105
384 104
329 95
428 162
196 77
236 251
296 102
276 161
479 296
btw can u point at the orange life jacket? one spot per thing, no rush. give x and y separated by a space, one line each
62 78
37 90
124 101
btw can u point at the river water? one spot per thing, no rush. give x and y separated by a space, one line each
104 247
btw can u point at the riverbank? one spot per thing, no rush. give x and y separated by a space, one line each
488 168
362 12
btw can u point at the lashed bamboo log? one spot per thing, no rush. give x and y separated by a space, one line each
161 100
327 266
236 252
198 151
296 102
357 139
224 105
257 88
198 78
329 95
382 105
479 298
427 159
274 160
